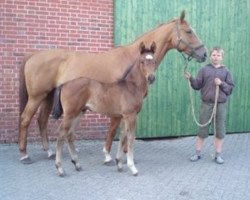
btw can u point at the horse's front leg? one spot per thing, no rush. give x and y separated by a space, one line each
24 122
130 127
114 123
42 120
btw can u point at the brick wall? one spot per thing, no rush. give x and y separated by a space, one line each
30 25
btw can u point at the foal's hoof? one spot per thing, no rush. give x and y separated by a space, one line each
26 160
61 173
52 156
119 169
119 165
135 174
79 168
109 163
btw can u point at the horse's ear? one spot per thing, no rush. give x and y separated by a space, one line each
142 47
183 13
153 47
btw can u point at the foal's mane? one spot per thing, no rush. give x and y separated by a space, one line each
128 70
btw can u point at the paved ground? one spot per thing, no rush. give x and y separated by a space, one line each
165 173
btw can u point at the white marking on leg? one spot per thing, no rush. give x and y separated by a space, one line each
50 153
130 154
24 157
107 155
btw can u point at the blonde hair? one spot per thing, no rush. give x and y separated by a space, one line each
217 48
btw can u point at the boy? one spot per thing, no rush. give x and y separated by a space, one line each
210 76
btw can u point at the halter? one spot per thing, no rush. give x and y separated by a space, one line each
180 40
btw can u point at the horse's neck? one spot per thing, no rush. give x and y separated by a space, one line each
162 36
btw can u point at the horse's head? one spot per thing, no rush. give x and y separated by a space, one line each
148 62
187 41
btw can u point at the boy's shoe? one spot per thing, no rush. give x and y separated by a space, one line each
219 160
195 157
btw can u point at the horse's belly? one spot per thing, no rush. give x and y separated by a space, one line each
102 71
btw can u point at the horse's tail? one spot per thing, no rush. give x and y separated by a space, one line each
57 105
23 94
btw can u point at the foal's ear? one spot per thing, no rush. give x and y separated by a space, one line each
153 47
142 47
183 13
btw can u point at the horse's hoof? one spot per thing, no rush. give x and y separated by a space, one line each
26 160
109 163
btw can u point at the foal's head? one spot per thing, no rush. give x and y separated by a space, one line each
147 61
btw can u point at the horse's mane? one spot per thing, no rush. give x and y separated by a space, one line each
153 30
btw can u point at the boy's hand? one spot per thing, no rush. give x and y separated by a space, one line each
187 75
217 81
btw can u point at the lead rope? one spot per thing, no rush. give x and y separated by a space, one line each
213 115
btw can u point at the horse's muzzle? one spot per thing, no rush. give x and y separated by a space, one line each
151 78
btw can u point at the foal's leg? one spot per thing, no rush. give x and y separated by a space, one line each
130 124
71 145
64 131
59 148
120 151
25 119
42 120
114 123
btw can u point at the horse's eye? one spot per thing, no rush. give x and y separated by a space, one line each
189 32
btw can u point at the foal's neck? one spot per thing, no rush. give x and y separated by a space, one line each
137 79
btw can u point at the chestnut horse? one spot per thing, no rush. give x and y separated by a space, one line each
45 70
123 99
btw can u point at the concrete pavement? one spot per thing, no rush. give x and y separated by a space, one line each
165 172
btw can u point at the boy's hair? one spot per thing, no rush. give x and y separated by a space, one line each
217 48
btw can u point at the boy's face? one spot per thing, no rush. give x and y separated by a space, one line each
216 57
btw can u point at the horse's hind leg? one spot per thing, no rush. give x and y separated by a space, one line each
114 123
25 119
42 120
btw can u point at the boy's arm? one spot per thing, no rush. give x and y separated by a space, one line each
227 85
197 82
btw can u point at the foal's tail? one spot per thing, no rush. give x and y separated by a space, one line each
23 94
57 105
